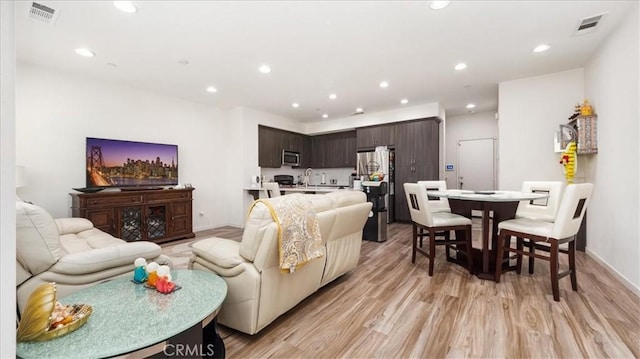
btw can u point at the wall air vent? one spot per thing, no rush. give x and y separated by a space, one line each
43 13
588 24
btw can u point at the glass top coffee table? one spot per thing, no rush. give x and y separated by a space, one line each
128 317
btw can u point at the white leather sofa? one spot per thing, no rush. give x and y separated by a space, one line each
70 252
258 292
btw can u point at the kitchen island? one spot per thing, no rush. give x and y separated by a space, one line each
311 189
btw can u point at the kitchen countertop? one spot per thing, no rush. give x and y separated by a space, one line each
311 188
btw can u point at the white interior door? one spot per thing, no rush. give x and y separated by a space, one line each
476 164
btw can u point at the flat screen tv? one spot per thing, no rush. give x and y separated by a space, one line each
118 163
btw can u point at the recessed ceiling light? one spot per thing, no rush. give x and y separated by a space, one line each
437 5
295 105
460 66
542 48
359 110
333 96
85 52
324 115
471 105
404 101
126 6
265 69
212 89
384 84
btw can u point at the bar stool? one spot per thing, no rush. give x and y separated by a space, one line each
440 204
563 230
544 209
425 220
272 189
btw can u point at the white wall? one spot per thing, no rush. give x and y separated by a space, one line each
466 127
611 84
530 111
7 182
56 111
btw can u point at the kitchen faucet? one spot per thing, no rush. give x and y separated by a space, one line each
307 176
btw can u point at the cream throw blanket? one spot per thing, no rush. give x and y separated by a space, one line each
298 230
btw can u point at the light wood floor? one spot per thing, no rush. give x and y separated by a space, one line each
390 308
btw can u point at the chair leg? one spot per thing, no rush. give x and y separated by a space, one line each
432 250
447 238
519 247
499 253
532 250
553 268
469 245
572 265
421 236
415 243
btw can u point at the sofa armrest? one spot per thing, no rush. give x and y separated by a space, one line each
73 225
104 258
224 253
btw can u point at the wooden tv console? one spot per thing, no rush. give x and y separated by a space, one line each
156 215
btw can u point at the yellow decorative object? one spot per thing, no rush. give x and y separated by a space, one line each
569 161
586 109
45 318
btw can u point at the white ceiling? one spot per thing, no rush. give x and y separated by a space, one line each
316 48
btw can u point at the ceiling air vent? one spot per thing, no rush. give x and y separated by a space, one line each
588 24
43 13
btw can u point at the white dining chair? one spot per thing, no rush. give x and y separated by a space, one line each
272 189
544 209
548 236
440 204
424 219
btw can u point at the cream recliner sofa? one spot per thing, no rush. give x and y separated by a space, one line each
70 252
258 292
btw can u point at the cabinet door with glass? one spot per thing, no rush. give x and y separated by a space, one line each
130 223
156 224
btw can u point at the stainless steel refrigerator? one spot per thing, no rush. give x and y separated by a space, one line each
380 160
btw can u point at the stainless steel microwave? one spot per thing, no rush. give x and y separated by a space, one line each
290 158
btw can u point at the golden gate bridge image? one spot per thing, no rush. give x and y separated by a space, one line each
132 172
95 168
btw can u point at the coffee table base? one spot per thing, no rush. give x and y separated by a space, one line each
195 342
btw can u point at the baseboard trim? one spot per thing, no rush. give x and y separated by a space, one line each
626 282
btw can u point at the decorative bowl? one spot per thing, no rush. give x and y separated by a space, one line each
36 322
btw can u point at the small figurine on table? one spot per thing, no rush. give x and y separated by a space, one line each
152 274
164 283
140 273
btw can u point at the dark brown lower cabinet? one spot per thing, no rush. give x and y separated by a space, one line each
155 215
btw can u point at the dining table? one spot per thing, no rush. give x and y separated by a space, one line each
496 206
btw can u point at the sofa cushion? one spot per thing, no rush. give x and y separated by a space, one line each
346 198
87 240
73 225
255 228
100 259
37 241
320 202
